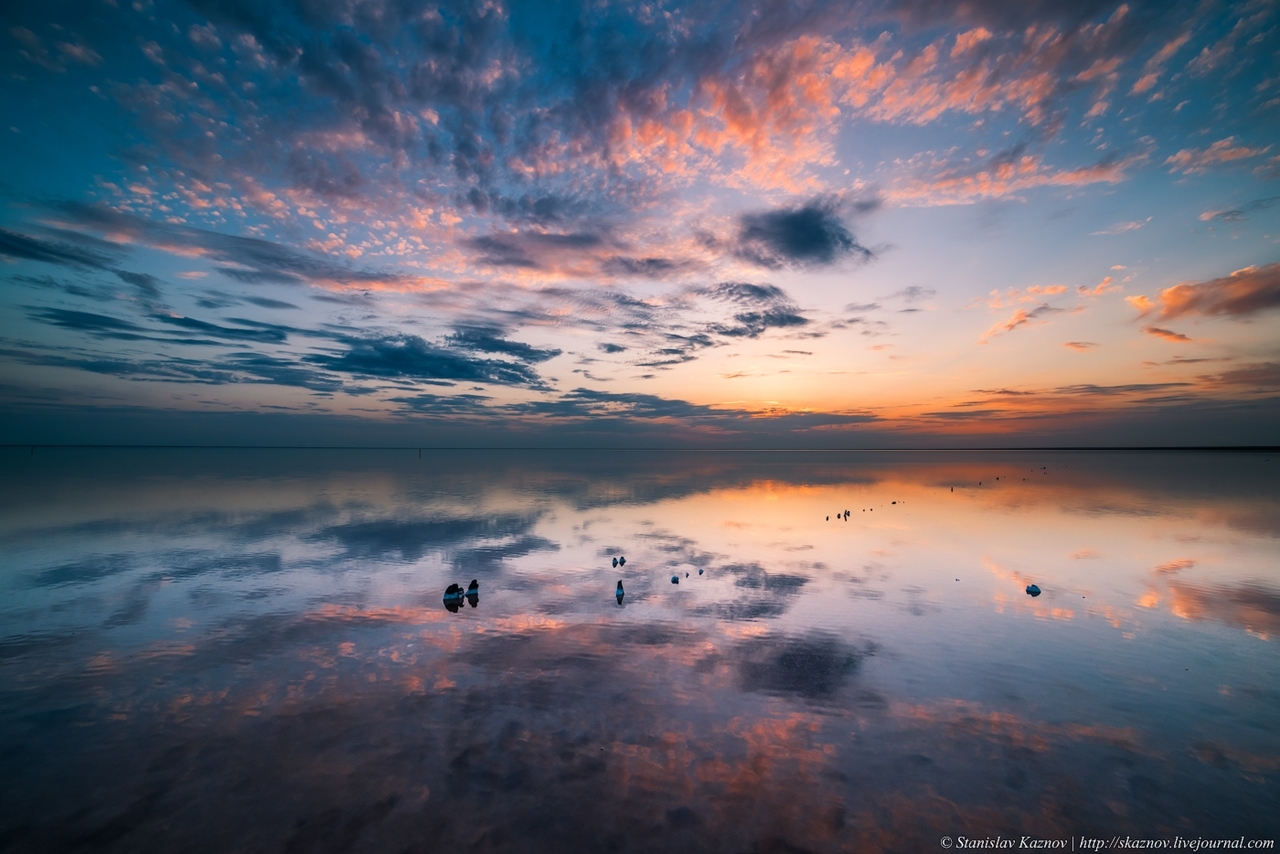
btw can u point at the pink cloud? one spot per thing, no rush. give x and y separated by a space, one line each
1191 160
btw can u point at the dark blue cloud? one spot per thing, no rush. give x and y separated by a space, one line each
472 405
483 339
277 371
770 308
148 286
98 325
808 236
25 248
410 357
261 336
265 302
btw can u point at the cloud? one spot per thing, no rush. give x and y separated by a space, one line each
1238 214
97 325
948 179
1106 286
1262 374
913 293
1122 227
1243 293
265 302
1166 334
1193 160
247 259
260 367
768 306
1080 346
452 405
528 249
24 248
808 236
490 340
1021 317
1155 65
148 286
402 356
651 268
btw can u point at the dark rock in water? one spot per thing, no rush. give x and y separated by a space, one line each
622 561
619 593
453 597
675 579
615 563
686 575
473 593
699 572
1033 590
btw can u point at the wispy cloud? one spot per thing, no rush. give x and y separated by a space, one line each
1192 160
1020 317
1122 227
1166 334
1239 214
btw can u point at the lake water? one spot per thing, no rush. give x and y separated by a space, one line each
243 650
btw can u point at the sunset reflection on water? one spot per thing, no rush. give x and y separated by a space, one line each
214 650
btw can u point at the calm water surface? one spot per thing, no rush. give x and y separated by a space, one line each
248 650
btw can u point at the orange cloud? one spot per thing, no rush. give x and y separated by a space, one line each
1080 346
1244 292
1022 317
1106 286
1001 177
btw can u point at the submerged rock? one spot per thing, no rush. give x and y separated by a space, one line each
1033 590
675 579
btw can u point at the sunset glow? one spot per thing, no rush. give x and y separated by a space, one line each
830 225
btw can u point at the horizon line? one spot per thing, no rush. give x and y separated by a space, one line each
1039 448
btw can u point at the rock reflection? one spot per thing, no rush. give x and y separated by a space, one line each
455 595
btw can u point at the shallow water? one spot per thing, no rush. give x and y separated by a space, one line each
248 650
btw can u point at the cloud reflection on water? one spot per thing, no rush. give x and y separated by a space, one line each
194 635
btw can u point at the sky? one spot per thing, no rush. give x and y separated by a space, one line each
898 223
